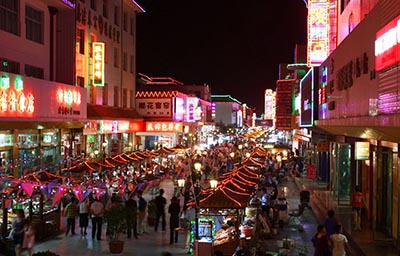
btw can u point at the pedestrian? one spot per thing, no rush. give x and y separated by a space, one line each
160 207
142 213
84 216
18 231
131 217
339 243
320 242
71 212
96 213
331 223
242 249
174 209
264 202
29 237
357 202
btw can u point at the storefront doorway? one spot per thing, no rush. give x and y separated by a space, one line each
341 180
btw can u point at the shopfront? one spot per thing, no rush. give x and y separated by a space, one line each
156 134
33 114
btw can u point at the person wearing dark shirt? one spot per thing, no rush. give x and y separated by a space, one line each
160 205
131 217
331 224
142 213
174 209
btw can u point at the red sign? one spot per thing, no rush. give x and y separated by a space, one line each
164 127
387 45
16 103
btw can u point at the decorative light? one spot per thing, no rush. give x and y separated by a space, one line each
181 182
213 183
248 154
232 154
240 146
96 152
197 166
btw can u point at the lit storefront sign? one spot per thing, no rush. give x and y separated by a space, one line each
98 64
307 113
193 109
179 113
387 45
109 126
154 107
15 102
362 150
164 127
318 32
269 104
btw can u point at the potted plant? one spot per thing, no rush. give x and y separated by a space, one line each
116 224
151 212
45 253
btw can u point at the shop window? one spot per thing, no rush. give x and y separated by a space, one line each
34 24
33 71
116 94
125 61
124 98
9 66
9 16
80 40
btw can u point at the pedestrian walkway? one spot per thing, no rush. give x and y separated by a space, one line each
361 242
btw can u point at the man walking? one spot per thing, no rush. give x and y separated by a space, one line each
97 212
142 213
71 211
160 205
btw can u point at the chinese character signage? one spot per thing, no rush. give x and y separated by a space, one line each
98 64
180 110
193 109
387 45
318 32
33 98
164 127
154 107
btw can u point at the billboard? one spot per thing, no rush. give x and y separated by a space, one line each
387 45
308 98
318 32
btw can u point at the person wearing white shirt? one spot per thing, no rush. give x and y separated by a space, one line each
339 243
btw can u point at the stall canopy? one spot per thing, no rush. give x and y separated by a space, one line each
225 198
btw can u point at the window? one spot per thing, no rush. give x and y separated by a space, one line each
34 24
132 28
105 94
125 21
80 40
125 62
105 12
80 81
92 40
116 57
132 99
9 16
93 4
116 92
132 64
33 71
9 66
116 15
124 98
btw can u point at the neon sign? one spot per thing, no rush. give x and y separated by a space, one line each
16 103
98 64
163 127
69 97
387 45
318 32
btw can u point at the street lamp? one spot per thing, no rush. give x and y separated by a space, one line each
248 154
197 166
181 182
213 183
232 154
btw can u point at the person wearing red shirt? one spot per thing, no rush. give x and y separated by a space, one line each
357 202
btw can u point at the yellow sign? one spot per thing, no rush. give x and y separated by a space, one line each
362 150
98 64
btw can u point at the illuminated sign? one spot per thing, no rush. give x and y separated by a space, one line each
269 104
69 96
308 98
387 45
362 150
191 104
318 32
98 64
164 127
154 107
14 103
180 110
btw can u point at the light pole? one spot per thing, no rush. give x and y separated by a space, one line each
196 189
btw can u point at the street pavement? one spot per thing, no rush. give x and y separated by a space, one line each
363 242
155 243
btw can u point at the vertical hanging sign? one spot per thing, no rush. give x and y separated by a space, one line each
98 64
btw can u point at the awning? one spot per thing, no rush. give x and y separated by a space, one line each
98 112
382 127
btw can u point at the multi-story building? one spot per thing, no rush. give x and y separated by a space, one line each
40 106
105 64
227 110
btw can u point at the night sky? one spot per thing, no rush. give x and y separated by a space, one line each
234 46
